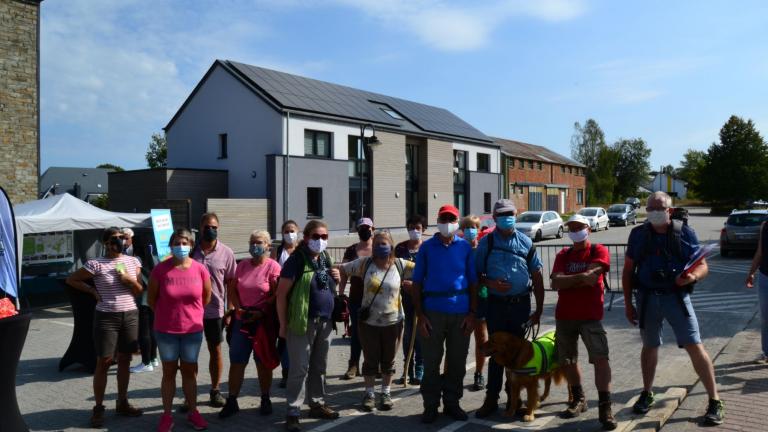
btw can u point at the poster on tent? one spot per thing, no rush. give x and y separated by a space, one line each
163 229
50 247
9 281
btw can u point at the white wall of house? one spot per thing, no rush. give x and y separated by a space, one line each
224 105
668 184
340 133
473 150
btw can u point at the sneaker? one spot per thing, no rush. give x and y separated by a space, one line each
141 367
166 423
489 407
369 402
97 417
323 412
479 383
429 415
455 412
124 408
351 372
292 423
155 362
385 402
763 359
575 408
184 407
197 421
231 407
644 402
715 413
606 416
265 408
217 400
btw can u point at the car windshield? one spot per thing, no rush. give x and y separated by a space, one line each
617 208
588 212
529 217
746 219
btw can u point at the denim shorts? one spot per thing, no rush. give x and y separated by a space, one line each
655 308
240 345
184 346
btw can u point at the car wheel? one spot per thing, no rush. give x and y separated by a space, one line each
607 225
537 237
559 232
626 222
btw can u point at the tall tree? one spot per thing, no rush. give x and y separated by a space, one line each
113 167
691 169
587 144
735 169
602 180
157 154
632 166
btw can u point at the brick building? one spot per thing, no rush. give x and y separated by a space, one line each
537 178
20 98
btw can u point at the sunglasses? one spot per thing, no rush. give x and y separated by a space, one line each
211 227
319 236
447 218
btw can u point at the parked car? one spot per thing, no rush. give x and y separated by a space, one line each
540 224
487 225
622 214
597 216
741 231
634 202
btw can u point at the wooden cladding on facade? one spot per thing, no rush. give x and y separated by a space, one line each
238 218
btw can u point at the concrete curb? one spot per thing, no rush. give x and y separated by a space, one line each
666 405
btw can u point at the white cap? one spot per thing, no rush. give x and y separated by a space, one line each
577 218
127 231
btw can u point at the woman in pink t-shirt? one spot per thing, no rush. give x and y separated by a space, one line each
253 295
179 288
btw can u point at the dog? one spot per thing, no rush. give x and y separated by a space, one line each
515 354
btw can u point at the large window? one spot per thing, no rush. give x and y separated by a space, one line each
460 181
579 196
357 165
487 202
483 162
314 202
521 164
317 143
222 146
540 166
411 180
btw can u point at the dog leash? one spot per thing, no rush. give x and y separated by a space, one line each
531 331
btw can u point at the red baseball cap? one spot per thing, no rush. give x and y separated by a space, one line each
448 209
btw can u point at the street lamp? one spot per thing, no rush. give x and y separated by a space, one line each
372 140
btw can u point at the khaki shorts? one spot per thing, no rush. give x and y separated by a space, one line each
591 332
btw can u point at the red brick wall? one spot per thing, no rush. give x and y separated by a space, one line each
550 173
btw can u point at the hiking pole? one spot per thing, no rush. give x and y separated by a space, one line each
411 345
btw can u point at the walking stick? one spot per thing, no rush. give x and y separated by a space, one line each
411 345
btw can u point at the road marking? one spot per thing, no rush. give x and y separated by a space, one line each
59 323
538 423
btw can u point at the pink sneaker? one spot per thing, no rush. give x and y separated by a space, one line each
166 423
196 420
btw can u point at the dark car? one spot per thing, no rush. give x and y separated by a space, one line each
622 214
741 231
634 202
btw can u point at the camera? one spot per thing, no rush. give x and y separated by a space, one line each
661 276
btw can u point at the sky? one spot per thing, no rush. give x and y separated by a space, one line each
113 72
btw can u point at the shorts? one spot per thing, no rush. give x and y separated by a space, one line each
240 345
380 344
654 308
115 331
185 346
591 332
213 328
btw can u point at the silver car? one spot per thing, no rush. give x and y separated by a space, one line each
597 216
540 224
741 231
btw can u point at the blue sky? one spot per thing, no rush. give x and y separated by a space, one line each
114 72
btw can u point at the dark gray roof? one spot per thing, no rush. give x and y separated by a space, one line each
535 152
90 181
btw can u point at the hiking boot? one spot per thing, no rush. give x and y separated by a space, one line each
715 413
352 371
184 407
479 383
385 402
369 402
644 402
292 423
265 408
124 408
166 423
197 421
323 412
217 400
606 416
577 406
231 407
455 412
489 407
97 417
429 415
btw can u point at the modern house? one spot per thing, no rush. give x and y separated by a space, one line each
82 183
537 178
668 183
314 149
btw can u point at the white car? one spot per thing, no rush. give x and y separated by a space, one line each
540 224
597 216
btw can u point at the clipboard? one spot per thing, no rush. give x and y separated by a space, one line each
697 258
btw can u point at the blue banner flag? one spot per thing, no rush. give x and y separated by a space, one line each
9 257
163 229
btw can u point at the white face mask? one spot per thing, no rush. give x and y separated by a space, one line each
447 229
579 236
317 246
290 238
658 218
414 234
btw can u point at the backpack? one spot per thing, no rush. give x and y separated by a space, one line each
673 249
526 256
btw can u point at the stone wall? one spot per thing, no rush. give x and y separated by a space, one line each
19 102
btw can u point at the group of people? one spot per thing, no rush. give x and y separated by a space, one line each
278 307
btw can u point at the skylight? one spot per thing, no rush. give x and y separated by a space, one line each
392 113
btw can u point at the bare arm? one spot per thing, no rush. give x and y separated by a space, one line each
538 293
233 295
283 289
756 259
132 282
627 276
77 281
206 291
588 278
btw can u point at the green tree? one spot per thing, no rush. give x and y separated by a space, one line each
602 182
632 166
113 167
587 146
735 169
157 154
101 201
691 169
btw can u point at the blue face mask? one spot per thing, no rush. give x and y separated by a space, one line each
382 251
256 250
505 222
470 234
180 252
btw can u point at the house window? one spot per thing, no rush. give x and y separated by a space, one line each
392 113
540 166
356 156
521 164
530 164
222 146
520 190
570 170
317 144
483 162
579 196
562 169
314 202
487 202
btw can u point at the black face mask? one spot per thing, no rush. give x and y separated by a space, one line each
364 234
210 234
117 242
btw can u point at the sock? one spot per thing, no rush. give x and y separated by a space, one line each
604 396
369 390
384 389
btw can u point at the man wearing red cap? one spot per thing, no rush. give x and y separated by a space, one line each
446 280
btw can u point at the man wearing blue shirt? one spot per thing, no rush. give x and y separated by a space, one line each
509 266
445 302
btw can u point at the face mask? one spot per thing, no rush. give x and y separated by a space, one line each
658 217
414 235
470 234
505 222
210 234
117 242
579 236
290 238
382 251
447 229
364 234
180 252
256 250
128 250
317 246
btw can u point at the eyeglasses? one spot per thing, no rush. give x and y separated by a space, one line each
211 227
319 236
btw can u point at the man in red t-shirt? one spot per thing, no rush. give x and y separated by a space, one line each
577 276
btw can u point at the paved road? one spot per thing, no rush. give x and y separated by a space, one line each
52 401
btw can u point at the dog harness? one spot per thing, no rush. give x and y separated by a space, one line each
544 356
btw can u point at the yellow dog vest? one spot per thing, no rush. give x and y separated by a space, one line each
544 356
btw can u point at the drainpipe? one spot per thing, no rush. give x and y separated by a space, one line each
286 168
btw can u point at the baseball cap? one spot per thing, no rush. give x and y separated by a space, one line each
577 218
364 221
504 206
448 209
